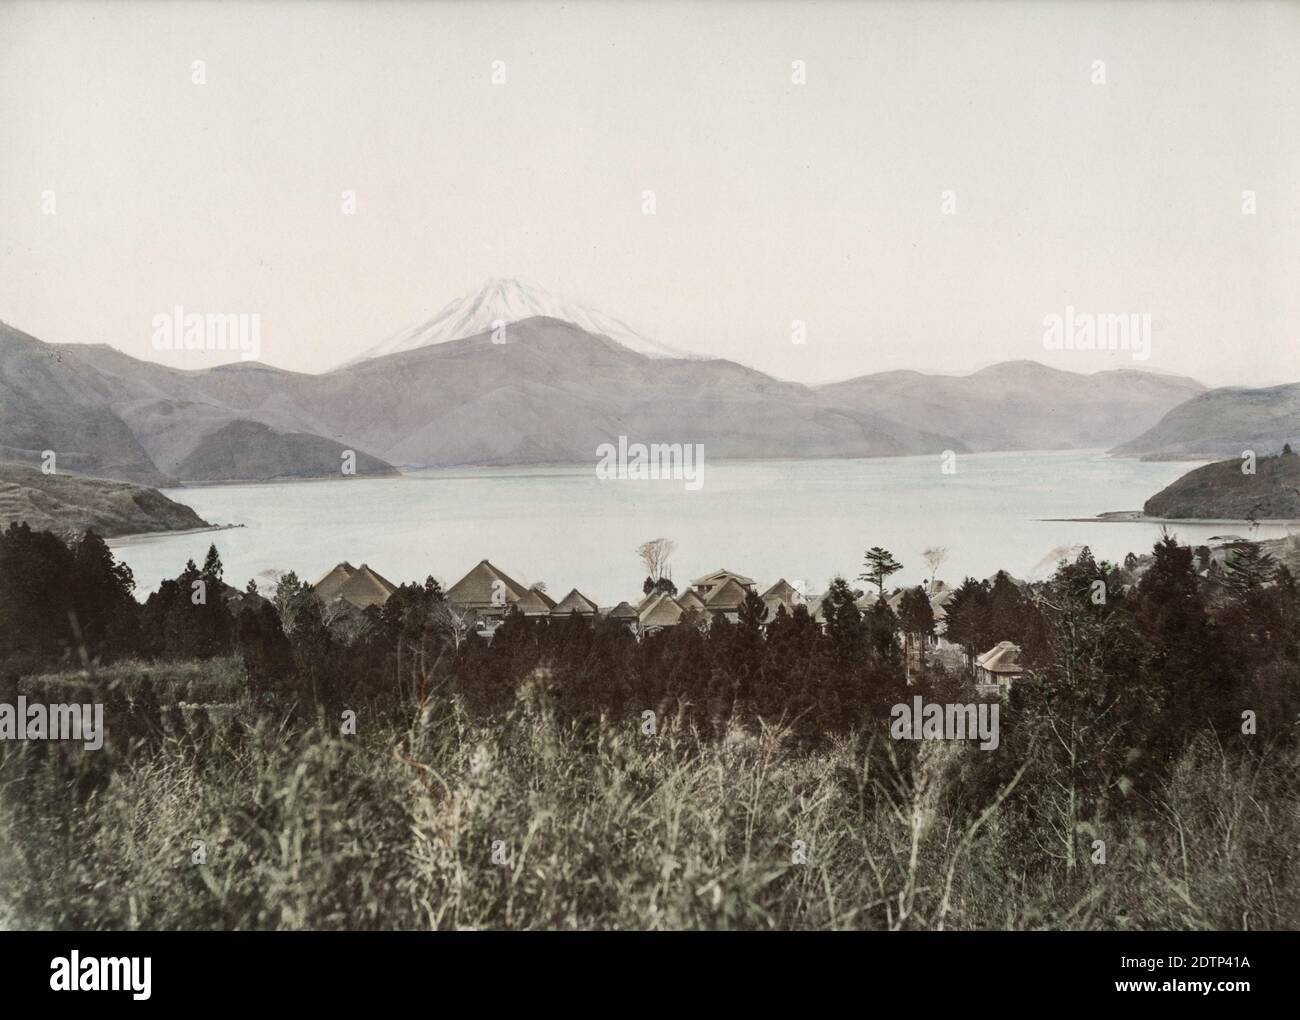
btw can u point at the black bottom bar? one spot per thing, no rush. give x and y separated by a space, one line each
336 971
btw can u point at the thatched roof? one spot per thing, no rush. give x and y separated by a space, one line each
784 591
577 602
728 595
359 586
535 602
622 612
720 576
476 589
369 584
774 606
1002 658
689 600
662 612
329 586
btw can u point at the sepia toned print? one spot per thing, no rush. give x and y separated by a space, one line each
648 467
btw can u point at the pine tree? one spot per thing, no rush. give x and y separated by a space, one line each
879 564
916 616
1249 569
212 568
968 617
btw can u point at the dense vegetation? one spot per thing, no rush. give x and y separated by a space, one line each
1266 488
71 505
272 763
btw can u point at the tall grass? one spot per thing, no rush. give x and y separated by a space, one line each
269 826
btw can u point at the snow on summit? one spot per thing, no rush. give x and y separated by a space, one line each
510 300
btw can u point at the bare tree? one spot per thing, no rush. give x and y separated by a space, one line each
655 555
451 623
934 559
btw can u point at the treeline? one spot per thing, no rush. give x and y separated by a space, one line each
1129 666
1151 649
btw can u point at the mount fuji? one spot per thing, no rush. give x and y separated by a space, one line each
502 300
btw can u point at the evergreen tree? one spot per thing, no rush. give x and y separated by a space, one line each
968 617
916 617
1249 569
212 568
879 564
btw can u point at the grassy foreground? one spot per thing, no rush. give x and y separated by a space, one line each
520 821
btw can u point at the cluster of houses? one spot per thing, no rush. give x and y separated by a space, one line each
486 594
490 593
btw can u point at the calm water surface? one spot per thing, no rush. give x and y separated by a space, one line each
802 520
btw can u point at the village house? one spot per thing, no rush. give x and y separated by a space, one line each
689 601
535 603
723 592
998 668
782 595
575 602
720 593
486 591
710 583
867 601
658 610
359 587
625 614
487 594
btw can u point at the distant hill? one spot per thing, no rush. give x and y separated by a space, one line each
551 392
554 392
1021 405
1222 423
249 451
1221 491
51 400
69 505
108 415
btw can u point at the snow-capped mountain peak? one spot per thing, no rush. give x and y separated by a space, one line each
507 300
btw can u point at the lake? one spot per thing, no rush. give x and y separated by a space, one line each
801 520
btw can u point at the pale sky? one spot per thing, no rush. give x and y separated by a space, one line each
775 201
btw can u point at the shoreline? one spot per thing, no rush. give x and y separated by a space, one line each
182 486
471 470
1138 517
116 539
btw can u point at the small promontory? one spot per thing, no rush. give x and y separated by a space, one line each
69 505
1225 491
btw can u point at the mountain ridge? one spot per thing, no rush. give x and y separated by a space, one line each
1022 404
549 391
1225 421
